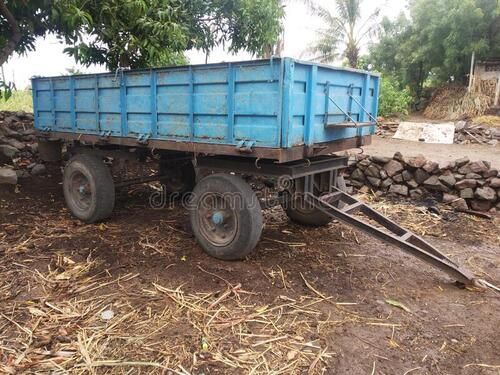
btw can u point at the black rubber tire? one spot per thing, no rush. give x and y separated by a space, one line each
311 217
101 186
248 215
182 180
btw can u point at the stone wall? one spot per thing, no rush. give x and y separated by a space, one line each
461 183
18 147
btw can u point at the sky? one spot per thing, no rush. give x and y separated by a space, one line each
48 59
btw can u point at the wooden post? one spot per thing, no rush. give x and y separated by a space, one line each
471 75
497 93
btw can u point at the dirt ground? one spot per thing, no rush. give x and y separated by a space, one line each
436 152
137 295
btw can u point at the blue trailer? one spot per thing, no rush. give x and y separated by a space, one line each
212 126
279 109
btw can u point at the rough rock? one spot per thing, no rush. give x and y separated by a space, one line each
358 175
374 181
398 156
399 189
462 161
412 184
416 162
15 143
459 125
372 171
393 167
386 183
380 159
479 167
467 193
466 183
421 176
383 174
486 193
460 204
495 183
8 151
398 178
430 166
480 205
447 165
433 183
473 175
8 176
490 173
407 175
448 180
363 164
416 194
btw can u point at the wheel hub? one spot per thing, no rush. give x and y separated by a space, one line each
80 191
218 218
217 221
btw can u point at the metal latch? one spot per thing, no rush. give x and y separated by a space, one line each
105 134
245 146
143 138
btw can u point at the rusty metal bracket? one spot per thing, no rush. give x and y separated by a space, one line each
245 146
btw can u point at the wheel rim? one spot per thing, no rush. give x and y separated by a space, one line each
217 219
80 190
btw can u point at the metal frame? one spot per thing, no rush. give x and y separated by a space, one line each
256 167
388 232
351 123
281 155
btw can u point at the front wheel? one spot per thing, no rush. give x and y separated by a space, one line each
226 217
88 187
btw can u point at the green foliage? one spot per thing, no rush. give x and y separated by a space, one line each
145 33
139 33
394 101
437 41
19 101
344 33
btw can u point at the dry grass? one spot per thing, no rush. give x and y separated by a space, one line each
455 103
487 120
52 300
52 316
160 328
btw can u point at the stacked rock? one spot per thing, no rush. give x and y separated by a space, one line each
460 183
18 147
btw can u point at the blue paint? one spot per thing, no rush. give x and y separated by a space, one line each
277 103
230 104
154 111
217 218
123 105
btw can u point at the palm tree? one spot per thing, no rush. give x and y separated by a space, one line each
344 32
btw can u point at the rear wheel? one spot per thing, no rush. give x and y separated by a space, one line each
226 217
88 188
302 212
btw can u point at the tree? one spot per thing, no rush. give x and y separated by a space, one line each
139 33
345 31
437 41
